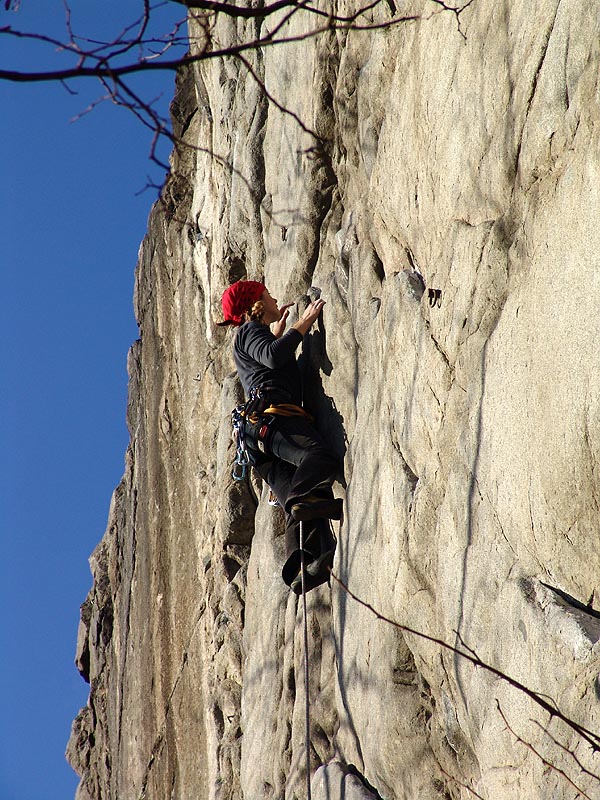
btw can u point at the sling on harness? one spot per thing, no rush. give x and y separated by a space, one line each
259 413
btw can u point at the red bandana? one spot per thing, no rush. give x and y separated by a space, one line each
239 298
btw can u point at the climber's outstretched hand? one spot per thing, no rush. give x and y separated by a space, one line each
309 316
278 327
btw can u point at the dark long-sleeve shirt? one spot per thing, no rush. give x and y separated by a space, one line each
263 360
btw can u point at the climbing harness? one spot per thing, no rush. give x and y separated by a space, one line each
257 409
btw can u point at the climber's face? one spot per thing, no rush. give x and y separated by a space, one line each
272 312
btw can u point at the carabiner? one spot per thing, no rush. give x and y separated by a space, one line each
238 475
242 460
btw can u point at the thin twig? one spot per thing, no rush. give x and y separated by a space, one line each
459 783
276 103
456 10
593 739
91 106
545 761
566 750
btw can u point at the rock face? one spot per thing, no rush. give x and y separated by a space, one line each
462 147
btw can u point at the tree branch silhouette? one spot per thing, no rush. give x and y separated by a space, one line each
468 654
110 61
104 69
566 750
459 783
134 50
544 761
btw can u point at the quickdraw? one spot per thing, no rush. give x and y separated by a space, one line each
242 459
240 416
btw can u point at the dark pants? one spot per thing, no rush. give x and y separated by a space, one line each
302 464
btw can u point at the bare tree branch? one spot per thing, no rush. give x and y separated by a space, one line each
545 761
231 10
566 750
244 12
459 783
276 103
593 739
145 65
104 55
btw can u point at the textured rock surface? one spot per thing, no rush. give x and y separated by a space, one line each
470 428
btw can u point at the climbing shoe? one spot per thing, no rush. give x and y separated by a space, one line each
312 507
321 565
319 569
296 584
310 582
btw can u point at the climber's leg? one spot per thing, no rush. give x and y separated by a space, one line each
278 475
300 475
319 549
310 496
319 542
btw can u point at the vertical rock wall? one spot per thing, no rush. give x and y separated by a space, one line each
466 147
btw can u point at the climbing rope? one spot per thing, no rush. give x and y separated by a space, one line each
307 696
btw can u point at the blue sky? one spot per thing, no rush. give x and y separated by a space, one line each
70 226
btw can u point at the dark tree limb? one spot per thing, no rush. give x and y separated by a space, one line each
544 761
546 704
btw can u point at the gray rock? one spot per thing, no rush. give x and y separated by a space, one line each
335 782
464 147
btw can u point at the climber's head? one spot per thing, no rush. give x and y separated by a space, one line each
248 300
270 309
239 299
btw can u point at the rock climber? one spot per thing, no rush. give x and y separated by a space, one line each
286 449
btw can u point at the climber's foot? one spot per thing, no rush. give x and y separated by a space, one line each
296 584
312 507
322 564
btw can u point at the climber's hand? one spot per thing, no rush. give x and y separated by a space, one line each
309 316
279 327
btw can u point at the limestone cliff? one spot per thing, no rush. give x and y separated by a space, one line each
466 148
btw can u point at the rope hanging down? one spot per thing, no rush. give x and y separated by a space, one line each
307 696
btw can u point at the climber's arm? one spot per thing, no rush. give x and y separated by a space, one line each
262 346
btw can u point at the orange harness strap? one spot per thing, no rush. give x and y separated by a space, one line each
288 410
